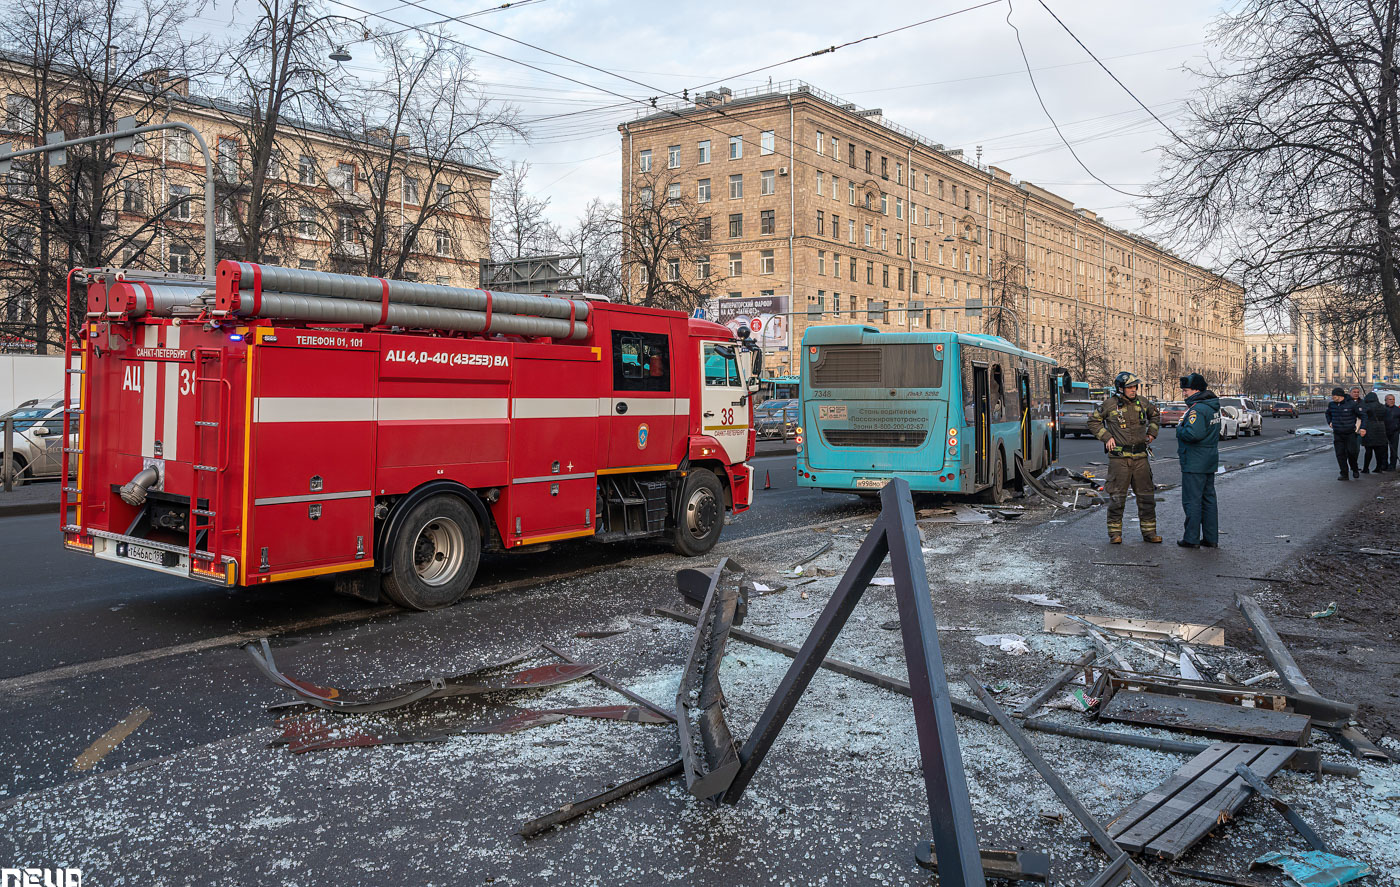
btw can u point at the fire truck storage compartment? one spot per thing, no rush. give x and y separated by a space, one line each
555 444
312 466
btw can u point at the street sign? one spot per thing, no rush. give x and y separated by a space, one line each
698 314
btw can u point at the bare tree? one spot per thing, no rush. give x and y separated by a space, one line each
519 226
79 67
1008 291
1083 349
277 82
596 238
666 245
1289 165
1275 376
413 132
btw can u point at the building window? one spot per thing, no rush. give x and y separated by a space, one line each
134 197
914 315
819 184
913 282
940 189
765 262
835 149
884 239
181 259
702 228
869 272
673 269
19 113
343 178
853 269
899 207
673 193
645 196
345 228
869 236
899 283
702 267
885 276
884 204
177 147
899 173
444 242
228 158
851 155
410 190
821 142
736 147
702 191
884 167
736 264
821 262
898 243
875 310
835 226
306 170
868 162
736 186
736 224
851 230
442 192
835 265
306 221
765 142
644 161
821 222
180 202
766 222
307 264
702 151
766 182
816 306
673 160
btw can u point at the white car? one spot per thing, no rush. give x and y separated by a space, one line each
38 441
1251 420
1230 420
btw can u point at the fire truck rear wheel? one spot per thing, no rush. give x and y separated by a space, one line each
435 555
701 517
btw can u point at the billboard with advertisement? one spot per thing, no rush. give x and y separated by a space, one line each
767 317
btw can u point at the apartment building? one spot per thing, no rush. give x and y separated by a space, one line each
1325 354
325 202
827 213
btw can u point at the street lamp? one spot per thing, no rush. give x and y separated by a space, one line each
340 53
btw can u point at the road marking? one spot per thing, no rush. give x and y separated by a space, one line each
111 739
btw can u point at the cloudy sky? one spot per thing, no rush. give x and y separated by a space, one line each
960 81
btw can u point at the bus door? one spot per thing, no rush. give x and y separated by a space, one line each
1023 384
982 427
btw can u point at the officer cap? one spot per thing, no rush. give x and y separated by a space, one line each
1194 381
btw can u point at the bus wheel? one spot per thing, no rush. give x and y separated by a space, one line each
996 493
435 555
701 516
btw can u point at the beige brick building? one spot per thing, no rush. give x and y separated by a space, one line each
1327 355
323 201
855 219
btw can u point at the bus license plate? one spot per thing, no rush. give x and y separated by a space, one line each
149 555
871 483
832 411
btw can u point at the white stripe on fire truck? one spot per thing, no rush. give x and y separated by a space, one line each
369 409
172 394
148 395
590 407
311 497
536 480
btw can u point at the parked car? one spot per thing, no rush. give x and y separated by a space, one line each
38 441
1073 416
779 424
769 406
1172 412
1283 408
1231 420
1251 420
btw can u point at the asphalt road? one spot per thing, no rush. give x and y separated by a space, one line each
84 641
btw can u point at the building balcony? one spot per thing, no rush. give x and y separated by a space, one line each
347 249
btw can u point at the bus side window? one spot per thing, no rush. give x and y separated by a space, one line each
997 396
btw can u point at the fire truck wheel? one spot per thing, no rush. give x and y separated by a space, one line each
435 555
701 517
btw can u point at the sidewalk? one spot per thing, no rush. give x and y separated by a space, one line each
36 497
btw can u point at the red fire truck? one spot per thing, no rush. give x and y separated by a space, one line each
279 423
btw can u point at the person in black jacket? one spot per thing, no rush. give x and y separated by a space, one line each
1373 415
1392 430
1344 415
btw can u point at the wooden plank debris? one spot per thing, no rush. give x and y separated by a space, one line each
1204 716
1207 792
1144 629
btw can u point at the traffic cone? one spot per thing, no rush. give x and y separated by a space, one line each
767 481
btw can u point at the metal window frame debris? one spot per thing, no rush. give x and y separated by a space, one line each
1142 629
1262 789
708 751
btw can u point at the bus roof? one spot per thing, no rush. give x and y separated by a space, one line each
856 333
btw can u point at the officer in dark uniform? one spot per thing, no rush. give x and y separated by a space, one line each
1127 424
1198 454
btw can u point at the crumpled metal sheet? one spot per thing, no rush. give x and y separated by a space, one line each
378 699
1313 868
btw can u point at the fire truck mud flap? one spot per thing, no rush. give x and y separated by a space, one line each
378 699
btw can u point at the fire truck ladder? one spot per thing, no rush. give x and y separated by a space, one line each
210 463
72 425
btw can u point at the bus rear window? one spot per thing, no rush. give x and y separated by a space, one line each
877 366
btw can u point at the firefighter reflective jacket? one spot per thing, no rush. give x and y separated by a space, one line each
1129 422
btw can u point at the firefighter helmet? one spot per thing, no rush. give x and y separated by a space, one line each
1125 380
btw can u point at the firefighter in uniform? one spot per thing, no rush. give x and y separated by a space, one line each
1127 424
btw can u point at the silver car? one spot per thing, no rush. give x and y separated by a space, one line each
38 441
1251 420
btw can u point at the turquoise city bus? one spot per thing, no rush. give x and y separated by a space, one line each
948 412
782 387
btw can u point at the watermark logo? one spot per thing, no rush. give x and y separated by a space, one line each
60 877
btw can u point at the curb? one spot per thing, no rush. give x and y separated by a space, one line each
28 508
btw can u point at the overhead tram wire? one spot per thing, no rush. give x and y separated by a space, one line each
1026 59
1110 73
649 102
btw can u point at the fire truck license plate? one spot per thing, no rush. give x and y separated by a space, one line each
836 411
149 555
871 483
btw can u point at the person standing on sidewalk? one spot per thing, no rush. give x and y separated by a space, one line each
1127 425
1344 417
1392 430
1198 451
1373 417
